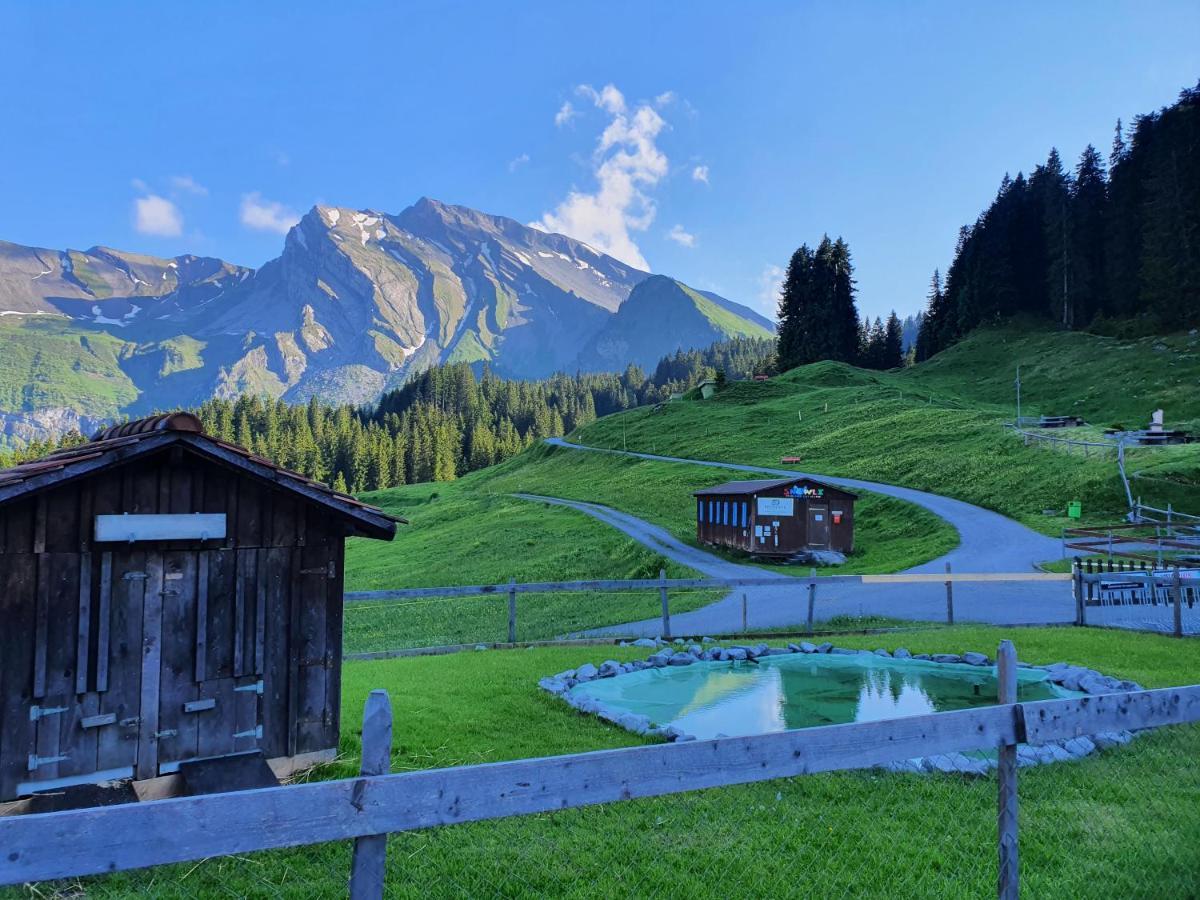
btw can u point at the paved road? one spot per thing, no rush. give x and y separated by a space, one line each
989 542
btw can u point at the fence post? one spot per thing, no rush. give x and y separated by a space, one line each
368 869
1006 814
1080 599
745 613
949 597
1177 599
666 606
812 596
512 610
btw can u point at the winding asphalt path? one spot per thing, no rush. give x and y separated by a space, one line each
988 542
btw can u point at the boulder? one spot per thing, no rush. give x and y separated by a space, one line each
825 647
645 642
882 652
902 653
971 658
586 672
736 653
842 651
946 658
681 659
806 647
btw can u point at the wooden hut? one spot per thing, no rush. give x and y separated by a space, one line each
167 597
776 517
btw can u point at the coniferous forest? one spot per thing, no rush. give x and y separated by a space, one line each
445 421
818 318
1104 246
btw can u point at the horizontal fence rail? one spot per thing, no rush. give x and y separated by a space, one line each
646 584
93 841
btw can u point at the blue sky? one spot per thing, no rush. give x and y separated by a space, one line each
728 133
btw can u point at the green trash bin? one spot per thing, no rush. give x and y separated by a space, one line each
1074 509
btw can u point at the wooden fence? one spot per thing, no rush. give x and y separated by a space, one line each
665 585
100 840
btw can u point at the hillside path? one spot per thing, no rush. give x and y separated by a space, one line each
989 542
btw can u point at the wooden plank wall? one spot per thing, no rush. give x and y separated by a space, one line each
263 603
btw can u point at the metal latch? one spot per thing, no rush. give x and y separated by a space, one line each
36 712
199 705
98 721
170 732
257 688
134 576
130 722
36 761
254 733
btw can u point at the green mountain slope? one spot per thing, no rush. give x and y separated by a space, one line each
939 426
660 311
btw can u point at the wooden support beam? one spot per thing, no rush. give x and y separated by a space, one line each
368 869
1006 820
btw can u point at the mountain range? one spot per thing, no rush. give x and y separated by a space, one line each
356 301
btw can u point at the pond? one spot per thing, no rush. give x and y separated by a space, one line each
778 693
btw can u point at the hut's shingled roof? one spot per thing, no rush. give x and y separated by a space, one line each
118 442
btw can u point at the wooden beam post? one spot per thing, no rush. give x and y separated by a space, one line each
1177 599
666 606
1077 589
812 597
1006 821
745 613
368 869
949 597
512 610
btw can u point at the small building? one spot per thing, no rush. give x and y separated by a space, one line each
776 517
707 387
167 597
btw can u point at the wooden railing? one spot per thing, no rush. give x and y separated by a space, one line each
77 843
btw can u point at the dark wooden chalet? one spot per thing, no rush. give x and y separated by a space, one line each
776 516
167 597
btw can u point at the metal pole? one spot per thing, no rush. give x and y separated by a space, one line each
812 597
512 611
1177 597
666 606
1018 396
369 865
949 597
1006 817
1077 589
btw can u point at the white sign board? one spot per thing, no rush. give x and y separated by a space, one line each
164 527
776 506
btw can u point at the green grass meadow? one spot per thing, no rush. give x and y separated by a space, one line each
1122 823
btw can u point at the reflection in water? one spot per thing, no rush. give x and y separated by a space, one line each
783 692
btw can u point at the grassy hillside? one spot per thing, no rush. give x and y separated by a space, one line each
471 531
939 427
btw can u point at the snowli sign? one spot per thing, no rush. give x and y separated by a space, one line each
808 493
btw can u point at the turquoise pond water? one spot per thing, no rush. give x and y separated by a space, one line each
710 699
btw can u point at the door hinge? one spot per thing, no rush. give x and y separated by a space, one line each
98 721
35 761
255 732
37 712
257 687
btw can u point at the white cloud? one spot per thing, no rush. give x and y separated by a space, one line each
565 114
681 237
266 215
514 164
666 98
627 165
157 216
140 186
188 184
700 173
770 286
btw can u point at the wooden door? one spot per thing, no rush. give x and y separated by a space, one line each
818 526
210 668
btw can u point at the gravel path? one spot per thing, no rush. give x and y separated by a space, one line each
989 542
